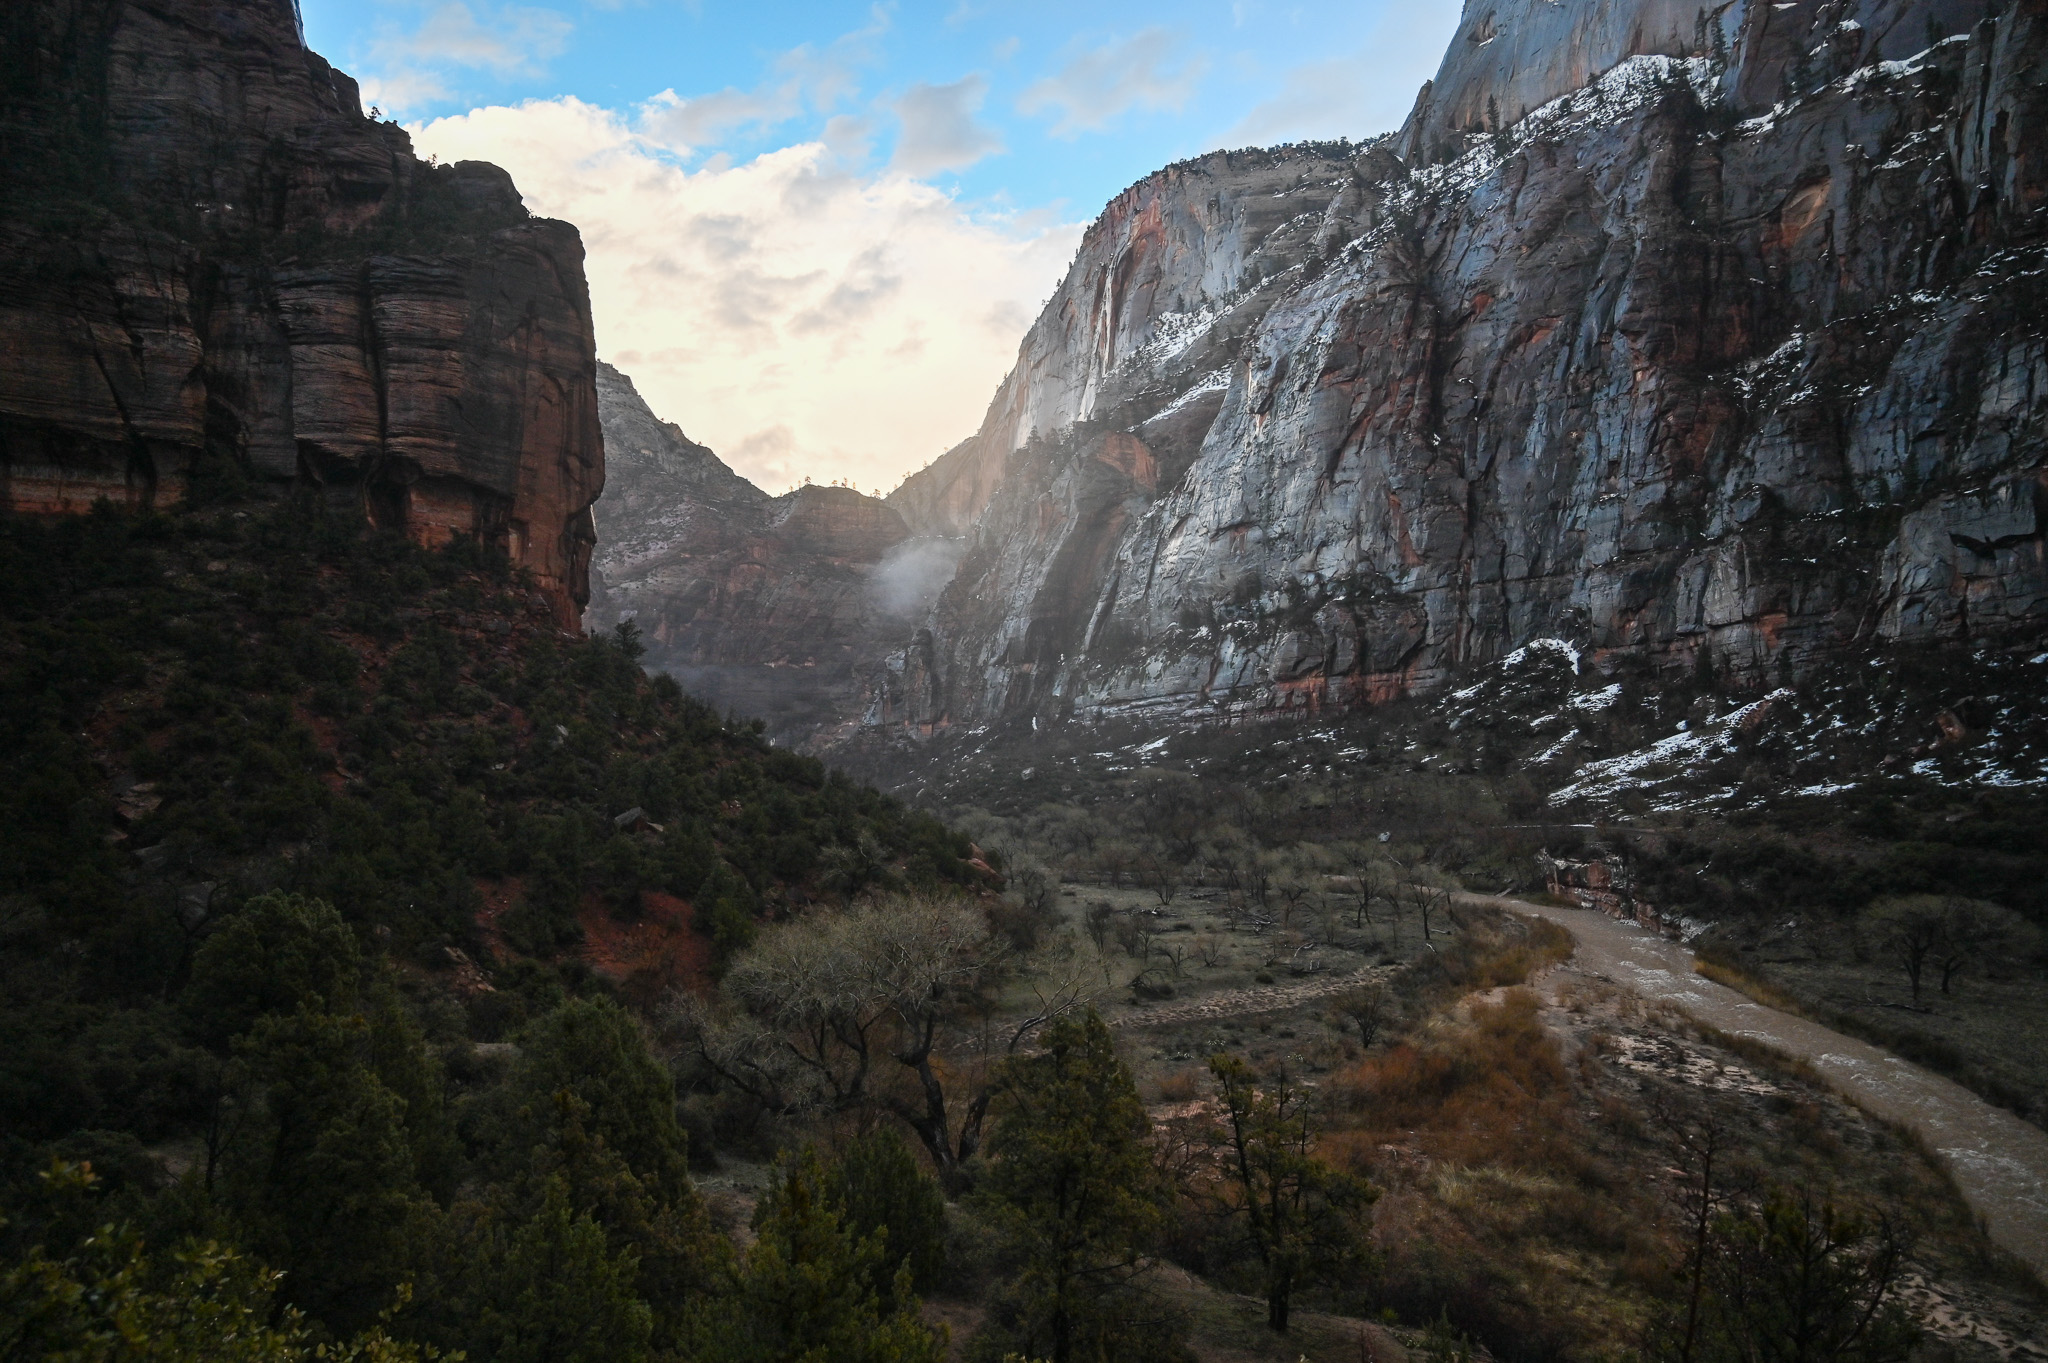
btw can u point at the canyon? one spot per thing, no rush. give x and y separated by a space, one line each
214 266
770 607
1708 341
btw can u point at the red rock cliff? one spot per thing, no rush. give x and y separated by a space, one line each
212 263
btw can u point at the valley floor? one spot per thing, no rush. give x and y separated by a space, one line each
1546 1188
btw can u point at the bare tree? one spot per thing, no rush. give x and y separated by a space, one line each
1135 933
1697 1139
1176 954
1972 929
815 1004
1292 887
1909 930
1114 861
1427 900
1158 872
1225 857
1256 872
1365 1008
1173 809
1101 916
1368 880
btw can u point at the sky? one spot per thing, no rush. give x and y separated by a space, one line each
816 233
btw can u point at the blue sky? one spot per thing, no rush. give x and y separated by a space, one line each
863 171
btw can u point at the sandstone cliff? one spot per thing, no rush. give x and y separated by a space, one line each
212 264
1726 356
774 607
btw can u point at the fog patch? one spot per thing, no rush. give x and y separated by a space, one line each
912 574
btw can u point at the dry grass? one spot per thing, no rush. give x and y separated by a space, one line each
1490 1091
1183 1086
1742 982
1497 949
1497 1208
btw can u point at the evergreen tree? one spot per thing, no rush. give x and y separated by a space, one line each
592 1048
1073 1186
1799 1280
597 1117
400 1058
723 910
557 1293
1303 1215
806 1294
109 1301
680 1256
884 1195
317 1165
282 952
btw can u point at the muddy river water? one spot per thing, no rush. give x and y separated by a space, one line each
1999 1161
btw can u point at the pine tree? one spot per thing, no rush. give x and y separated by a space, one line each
317 1165
806 1294
882 1192
1073 1186
1303 1215
723 910
558 1293
280 953
593 1049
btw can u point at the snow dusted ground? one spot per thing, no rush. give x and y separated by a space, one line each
1596 746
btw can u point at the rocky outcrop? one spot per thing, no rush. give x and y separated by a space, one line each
773 607
1727 356
212 264
1167 281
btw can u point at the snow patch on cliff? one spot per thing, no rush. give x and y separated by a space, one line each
1215 381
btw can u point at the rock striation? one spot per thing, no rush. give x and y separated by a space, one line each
212 264
1720 350
774 607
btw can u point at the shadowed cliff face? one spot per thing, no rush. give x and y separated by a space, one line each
1728 361
774 607
210 259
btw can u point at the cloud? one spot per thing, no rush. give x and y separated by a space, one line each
802 78
1367 92
508 41
939 131
1094 87
401 90
684 125
798 318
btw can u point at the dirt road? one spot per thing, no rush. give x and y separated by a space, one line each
1998 1161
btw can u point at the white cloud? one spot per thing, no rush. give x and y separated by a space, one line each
1094 87
683 125
798 318
803 77
939 131
510 40
401 90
